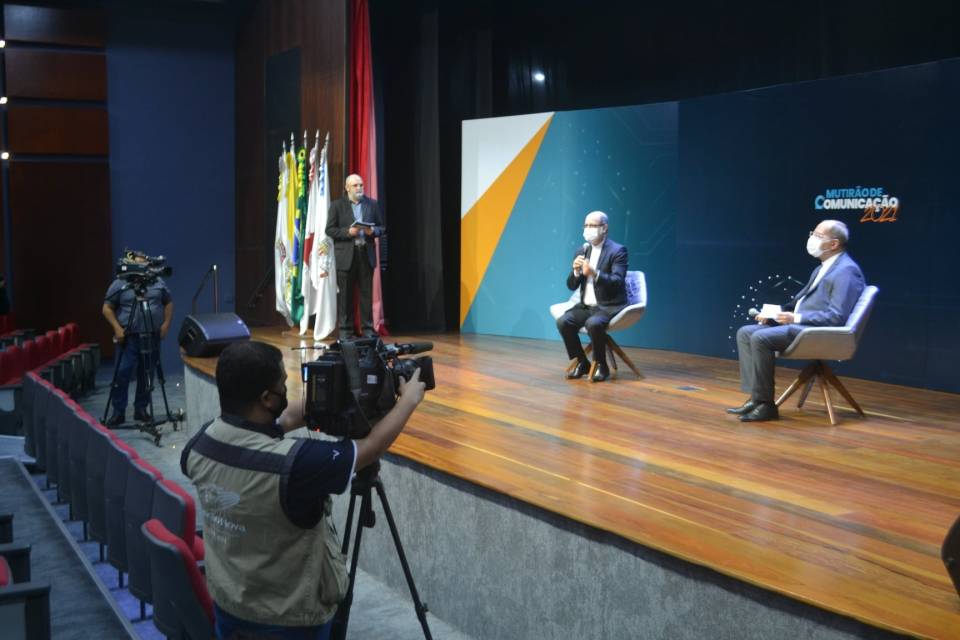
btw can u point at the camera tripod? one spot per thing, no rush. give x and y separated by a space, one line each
148 359
362 487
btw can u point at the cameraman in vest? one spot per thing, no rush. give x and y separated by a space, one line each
273 561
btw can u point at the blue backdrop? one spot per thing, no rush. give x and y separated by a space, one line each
714 198
171 104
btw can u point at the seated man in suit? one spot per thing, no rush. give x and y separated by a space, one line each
599 271
826 301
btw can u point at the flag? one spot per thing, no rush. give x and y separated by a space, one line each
299 227
290 207
282 247
319 266
363 132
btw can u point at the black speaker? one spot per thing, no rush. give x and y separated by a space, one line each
207 334
951 554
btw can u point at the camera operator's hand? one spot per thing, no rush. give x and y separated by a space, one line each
413 389
383 434
164 329
118 335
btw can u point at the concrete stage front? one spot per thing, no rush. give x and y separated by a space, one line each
532 506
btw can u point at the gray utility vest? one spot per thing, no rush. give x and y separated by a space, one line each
260 566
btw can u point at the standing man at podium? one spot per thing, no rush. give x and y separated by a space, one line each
353 223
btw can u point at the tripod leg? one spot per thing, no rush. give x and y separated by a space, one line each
420 608
163 391
342 617
117 355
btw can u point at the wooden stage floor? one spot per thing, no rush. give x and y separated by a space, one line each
847 518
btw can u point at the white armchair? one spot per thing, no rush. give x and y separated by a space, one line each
828 343
636 285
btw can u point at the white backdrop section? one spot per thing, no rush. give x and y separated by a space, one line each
489 145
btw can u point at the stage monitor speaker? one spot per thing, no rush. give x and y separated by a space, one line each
207 334
951 554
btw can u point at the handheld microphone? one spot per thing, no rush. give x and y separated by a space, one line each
585 248
753 313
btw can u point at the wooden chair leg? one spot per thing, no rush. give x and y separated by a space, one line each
806 392
826 399
593 369
623 356
804 376
835 381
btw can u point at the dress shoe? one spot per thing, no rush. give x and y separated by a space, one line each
602 373
115 420
140 415
582 368
761 413
748 406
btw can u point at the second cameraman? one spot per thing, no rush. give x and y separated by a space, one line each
119 302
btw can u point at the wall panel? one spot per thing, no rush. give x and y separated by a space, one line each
58 130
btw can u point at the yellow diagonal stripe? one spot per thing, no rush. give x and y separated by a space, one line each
481 227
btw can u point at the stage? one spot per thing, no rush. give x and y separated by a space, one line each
847 519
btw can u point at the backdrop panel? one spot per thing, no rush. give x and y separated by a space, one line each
622 161
714 198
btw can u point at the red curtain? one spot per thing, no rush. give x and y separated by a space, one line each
363 130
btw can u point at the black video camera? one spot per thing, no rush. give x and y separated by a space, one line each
355 383
139 268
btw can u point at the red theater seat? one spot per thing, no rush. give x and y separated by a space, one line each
173 506
182 607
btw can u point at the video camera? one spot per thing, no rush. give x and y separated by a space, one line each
139 268
356 382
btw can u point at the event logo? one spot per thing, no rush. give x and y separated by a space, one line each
874 202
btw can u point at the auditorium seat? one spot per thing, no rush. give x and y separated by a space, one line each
12 368
6 528
54 346
78 433
119 458
636 285
31 355
24 604
142 479
828 343
43 354
90 353
98 450
41 408
182 606
175 508
64 426
28 400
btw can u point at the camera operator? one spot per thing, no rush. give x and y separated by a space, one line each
119 302
273 561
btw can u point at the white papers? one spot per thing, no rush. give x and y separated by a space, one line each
770 311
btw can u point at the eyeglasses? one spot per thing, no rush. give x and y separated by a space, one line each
819 235
593 226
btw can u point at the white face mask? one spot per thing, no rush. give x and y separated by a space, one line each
590 234
813 246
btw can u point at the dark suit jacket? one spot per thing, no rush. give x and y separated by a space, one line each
830 302
339 219
610 282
